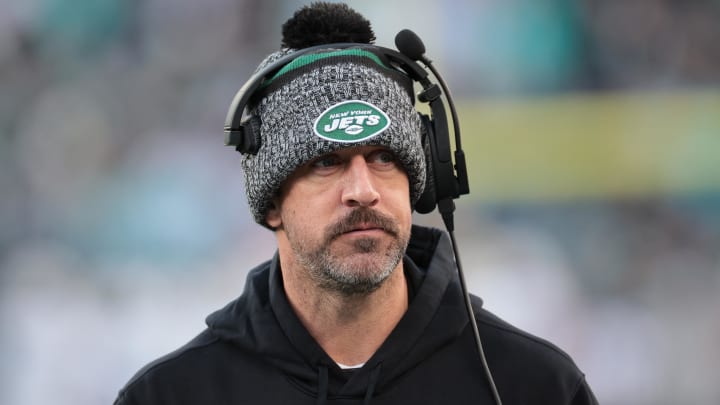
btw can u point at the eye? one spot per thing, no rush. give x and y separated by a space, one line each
325 162
382 157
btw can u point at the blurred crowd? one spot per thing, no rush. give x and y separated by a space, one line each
123 221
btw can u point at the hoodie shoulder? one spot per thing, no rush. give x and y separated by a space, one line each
517 336
525 365
215 351
165 368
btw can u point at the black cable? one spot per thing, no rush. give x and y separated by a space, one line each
448 97
446 208
410 45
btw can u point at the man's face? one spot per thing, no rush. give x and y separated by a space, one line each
346 217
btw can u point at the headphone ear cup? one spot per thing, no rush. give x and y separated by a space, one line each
428 199
250 140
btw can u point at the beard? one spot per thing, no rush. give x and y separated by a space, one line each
361 266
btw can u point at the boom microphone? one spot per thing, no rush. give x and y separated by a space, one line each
409 44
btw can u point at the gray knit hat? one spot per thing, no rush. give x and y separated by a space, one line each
326 101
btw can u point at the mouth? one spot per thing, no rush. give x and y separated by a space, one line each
364 228
363 223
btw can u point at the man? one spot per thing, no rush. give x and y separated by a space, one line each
358 305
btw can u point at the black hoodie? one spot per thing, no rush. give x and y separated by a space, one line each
256 351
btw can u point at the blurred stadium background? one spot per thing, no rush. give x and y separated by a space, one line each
592 129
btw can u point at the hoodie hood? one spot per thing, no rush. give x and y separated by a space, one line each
261 321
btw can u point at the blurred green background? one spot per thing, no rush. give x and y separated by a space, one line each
591 129
594 145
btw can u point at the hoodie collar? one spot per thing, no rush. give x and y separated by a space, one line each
262 321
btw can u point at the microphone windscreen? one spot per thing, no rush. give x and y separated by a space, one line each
409 44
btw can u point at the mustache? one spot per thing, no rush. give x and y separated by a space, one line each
362 216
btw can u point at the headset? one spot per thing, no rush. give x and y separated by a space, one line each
445 181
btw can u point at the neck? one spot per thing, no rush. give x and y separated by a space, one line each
350 328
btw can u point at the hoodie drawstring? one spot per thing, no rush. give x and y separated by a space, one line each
374 377
322 385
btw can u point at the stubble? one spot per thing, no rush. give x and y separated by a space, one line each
357 269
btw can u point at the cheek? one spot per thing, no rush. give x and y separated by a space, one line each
405 217
305 209
401 194
400 203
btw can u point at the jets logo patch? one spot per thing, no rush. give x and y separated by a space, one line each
351 121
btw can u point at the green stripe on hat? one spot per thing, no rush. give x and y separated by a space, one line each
311 58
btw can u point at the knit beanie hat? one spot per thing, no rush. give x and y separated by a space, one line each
329 100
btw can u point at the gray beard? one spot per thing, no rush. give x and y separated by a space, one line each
360 276
350 279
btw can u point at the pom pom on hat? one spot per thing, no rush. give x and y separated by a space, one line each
326 23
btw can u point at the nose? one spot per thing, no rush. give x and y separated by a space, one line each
359 189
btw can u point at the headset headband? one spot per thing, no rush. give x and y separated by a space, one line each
234 120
